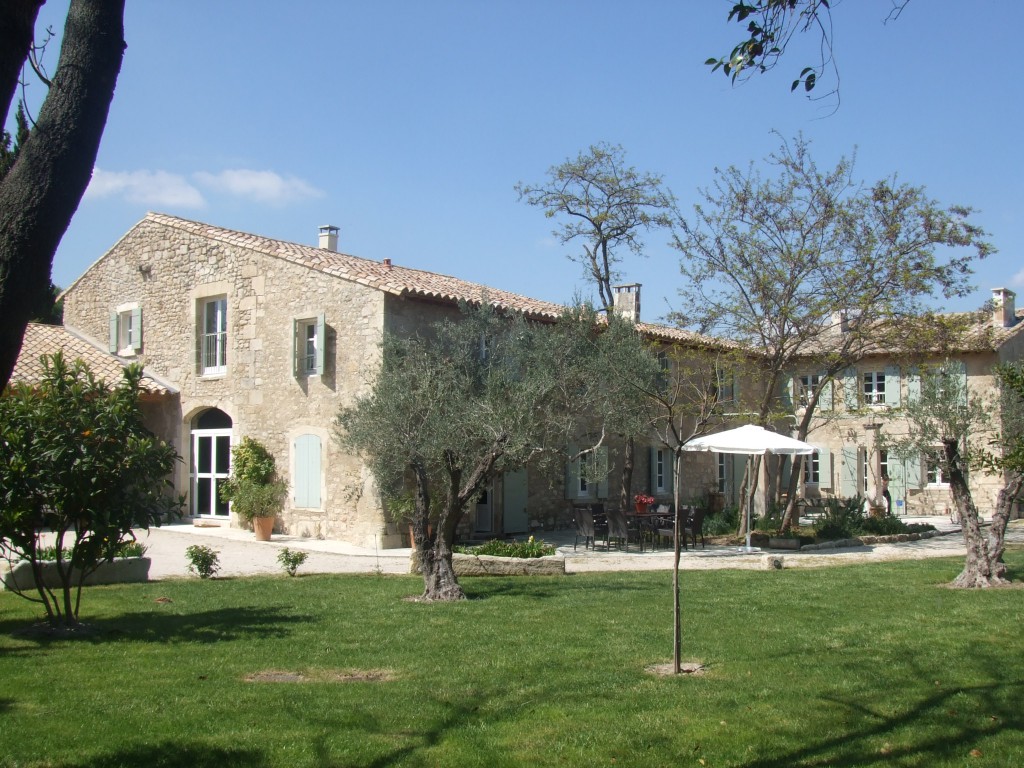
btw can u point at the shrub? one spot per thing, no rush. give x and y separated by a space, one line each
202 560
529 548
253 489
290 560
842 519
722 523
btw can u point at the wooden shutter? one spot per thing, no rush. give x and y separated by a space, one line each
789 392
307 472
913 385
321 335
824 468
849 472
137 329
892 385
113 333
825 398
851 389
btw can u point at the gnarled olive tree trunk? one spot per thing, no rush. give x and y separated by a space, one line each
978 571
1008 494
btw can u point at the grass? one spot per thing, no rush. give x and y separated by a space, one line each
852 666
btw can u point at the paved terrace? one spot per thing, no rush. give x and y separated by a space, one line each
241 555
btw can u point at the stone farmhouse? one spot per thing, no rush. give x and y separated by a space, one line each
249 336
242 335
857 416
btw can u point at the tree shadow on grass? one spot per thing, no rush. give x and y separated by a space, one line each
543 587
214 626
173 754
949 722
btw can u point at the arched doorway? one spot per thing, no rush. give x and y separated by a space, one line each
210 462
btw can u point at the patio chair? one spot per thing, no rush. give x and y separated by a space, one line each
584 519
618 529
665 527
694 526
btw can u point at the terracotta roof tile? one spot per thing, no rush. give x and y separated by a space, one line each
42 340
391 279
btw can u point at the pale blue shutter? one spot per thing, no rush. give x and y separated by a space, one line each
296 348
601 468
113 333
670 475
915 475
892 385
137 329
957 370
321 335
789 386
785 471
849 472
652 456
824 468
897 482
851 389
825 398
913 385
307 471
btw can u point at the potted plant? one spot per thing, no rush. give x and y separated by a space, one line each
642 502
254 490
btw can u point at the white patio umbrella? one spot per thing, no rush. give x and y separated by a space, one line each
749 440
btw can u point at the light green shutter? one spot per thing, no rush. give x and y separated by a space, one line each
897 481
892 385
957 370
307 472
851 389
913 385
296 348
113 333
789 393
824 468
825 398
321 335
849 472
137 329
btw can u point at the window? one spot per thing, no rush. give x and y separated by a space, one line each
126 331
812 469
874 388
722 473
309 346
659 470
582 487
935 469
867 471
213 342
806 386
726 387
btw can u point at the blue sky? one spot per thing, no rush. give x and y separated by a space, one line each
407 123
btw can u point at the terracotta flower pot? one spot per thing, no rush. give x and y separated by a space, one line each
263 527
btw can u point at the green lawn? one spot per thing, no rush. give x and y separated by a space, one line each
852 666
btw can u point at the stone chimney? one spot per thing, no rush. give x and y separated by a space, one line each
627 301
329 237
1004 313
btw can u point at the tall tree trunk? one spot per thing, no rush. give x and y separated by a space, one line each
1008 495
17 22
41 192
977 570
628 460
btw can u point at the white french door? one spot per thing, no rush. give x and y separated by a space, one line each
211 465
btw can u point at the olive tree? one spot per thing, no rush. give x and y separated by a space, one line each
79 472
472 398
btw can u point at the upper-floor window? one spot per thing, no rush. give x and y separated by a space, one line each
126 330
874 388
868 472
213 341
309 346
806 386
726 387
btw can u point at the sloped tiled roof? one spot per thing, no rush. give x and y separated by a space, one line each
389 278
42 340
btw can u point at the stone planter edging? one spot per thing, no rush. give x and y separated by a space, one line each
865 540
121 570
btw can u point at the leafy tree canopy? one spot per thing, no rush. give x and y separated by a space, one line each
80 471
